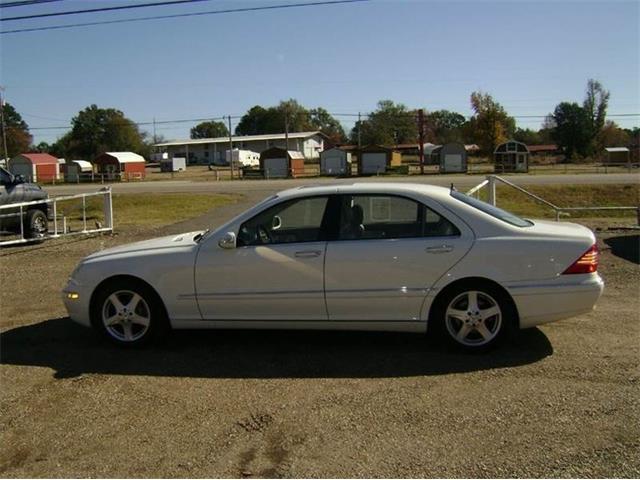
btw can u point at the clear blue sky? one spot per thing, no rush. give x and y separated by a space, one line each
430 54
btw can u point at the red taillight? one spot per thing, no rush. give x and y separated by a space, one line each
587 263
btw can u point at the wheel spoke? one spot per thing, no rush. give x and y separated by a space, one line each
484 331
115 301
112 320
463 332
140 320
457 314
128 332
472 298
489 312
133 303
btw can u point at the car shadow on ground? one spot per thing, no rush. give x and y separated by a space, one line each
72 350
625 246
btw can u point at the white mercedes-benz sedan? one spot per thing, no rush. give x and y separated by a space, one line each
366 256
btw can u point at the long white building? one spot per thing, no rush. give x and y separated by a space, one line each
212 150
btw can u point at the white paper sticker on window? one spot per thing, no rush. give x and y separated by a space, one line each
380 209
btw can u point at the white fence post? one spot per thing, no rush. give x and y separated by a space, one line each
492 189
108 209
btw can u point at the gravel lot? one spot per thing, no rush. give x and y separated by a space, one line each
561 401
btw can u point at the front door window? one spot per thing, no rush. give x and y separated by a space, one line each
296 221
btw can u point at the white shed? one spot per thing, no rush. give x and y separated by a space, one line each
242 158
335 161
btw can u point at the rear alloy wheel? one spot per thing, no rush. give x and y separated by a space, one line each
474 317
129 313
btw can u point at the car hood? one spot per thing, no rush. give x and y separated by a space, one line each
161 243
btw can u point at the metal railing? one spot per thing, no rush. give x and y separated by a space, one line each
60 222
491 181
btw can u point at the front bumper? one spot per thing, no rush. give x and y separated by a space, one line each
76 300
564 297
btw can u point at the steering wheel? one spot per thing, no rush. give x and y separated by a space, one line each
263 235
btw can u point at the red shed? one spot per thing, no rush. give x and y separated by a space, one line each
126 165
35 166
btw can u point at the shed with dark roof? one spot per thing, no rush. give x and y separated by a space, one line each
511 156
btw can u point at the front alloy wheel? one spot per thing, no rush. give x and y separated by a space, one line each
128 312
126 316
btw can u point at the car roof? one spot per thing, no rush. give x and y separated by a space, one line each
365 187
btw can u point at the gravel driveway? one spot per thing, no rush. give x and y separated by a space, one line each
561 401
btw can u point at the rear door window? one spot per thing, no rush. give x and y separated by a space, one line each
364 217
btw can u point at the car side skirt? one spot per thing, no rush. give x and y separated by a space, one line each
381 326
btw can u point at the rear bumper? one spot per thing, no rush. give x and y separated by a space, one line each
564 297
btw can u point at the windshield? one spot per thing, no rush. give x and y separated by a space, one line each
496 212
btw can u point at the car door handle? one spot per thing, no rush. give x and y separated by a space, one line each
308 253
440 249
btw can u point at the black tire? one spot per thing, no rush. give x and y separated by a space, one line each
35 224
473 329
149 306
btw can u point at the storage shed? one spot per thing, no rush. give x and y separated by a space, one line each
511 156
173 164
617 155
335 161
123 165
280 163
431 156
75 170
375 159
35 167
452 158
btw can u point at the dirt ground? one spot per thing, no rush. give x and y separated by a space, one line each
562 400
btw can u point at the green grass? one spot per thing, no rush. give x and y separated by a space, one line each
568 196
151 209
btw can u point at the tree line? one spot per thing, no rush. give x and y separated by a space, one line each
579 130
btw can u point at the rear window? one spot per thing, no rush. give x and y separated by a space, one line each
496 212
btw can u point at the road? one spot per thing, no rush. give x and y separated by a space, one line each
268 187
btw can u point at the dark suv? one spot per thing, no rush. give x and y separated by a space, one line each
14 189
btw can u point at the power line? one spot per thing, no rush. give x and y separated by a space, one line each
142 124
102 9
193 14
25 3
220 118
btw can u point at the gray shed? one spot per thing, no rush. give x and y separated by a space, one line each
335 161
511 156
452 158
75 170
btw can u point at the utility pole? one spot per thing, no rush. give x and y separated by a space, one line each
230 147
155 139
359 131
421 139
286 127
4 133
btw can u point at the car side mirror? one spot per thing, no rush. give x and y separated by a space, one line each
276 222
228 241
